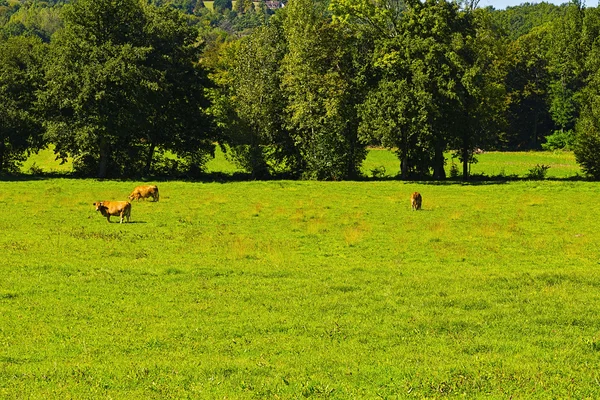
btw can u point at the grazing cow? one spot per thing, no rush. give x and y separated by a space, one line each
415 201
108 208
143 192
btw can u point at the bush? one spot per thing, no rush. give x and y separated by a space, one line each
378 172
559 140
538 172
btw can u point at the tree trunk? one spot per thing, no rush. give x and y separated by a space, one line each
404 166
438 161
465 160
104 156
535 130
149 159
2 151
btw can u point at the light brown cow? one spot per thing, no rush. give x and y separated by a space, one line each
117 208
143 192
415 201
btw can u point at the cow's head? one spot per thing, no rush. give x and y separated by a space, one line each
99 205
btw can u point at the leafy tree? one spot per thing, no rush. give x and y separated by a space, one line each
222 5
425 45
482 72
566 66
587 139
523 19
586 144
321 92
35 19
527 82
21 77
251 105
93 74
122 83
173 110
394 114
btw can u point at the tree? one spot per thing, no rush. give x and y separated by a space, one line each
222 5
394 115
174 107
93 75
426 45
566 66
121 83
21 77
587 129
482 72
526 83
322 91
35 19
250 103
587 140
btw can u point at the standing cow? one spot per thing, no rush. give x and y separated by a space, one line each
415 201
143 192
117 208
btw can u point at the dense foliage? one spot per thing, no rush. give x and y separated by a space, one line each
299 88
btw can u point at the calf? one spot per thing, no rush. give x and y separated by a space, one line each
415 201
143 192
120 208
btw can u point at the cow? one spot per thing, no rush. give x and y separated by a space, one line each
108 208
143 192
415 201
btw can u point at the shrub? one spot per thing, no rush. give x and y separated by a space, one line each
559 140
538 172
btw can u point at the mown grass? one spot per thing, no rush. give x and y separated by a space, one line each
287 289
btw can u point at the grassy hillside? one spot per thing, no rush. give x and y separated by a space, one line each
300 289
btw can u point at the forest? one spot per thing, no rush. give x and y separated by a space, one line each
299 89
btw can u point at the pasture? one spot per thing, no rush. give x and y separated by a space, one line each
382 163
286 289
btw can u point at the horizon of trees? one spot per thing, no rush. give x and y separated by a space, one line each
120 86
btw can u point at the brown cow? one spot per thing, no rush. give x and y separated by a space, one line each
143 192
415 201
120 208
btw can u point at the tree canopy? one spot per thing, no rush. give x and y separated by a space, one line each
297 88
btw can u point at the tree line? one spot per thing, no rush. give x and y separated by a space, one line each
127 88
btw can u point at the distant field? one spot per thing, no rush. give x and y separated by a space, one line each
283 289
562 164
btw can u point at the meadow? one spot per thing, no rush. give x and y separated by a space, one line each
285 289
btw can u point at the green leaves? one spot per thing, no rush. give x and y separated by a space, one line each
20 79
124 77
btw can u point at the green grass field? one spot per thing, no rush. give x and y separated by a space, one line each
284 289
492 164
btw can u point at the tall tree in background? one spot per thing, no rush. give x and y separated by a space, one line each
121 82
173 111
21 77
321 92
587 129
250 105
482 74
526 84
94 75
426 46
566 66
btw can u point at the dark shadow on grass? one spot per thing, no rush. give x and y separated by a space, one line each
224 177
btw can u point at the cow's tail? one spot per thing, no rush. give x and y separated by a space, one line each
157 195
